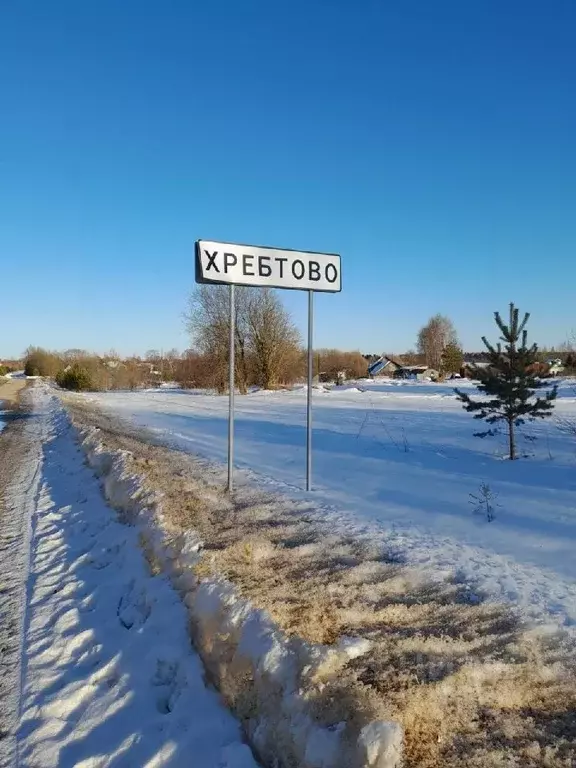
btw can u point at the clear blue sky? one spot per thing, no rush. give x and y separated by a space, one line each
432 144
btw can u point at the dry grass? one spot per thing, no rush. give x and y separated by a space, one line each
472 686
10 390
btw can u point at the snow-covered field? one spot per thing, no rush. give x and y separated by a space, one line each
399 460
107 675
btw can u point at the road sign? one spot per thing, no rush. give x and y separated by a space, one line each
267 267
263 267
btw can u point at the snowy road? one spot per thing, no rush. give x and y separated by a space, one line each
400 461
20 453
108 676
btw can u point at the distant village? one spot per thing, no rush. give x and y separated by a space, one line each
395 368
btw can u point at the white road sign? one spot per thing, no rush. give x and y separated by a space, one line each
267 267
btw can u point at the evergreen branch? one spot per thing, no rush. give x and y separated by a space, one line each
523 324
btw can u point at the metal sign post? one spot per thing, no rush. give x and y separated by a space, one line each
263 267
231 387
309 393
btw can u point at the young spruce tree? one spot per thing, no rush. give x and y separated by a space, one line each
452 358
509 382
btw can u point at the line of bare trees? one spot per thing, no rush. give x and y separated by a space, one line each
84 370
330 364
268 350
268 347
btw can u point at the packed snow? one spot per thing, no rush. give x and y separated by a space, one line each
109 677
399 460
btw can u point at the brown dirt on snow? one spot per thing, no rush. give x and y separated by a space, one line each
472 686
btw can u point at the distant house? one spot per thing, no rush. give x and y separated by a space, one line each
389 367
384 366
555 367
549 368
418 372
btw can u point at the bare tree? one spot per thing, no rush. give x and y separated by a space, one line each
568 351
411 357
41 362
331 362
207 321
170 362
273 338
193 370
438 332
74 354
266 341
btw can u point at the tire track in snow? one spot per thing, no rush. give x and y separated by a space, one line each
20 467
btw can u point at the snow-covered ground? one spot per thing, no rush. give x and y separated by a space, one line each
108 675
399 460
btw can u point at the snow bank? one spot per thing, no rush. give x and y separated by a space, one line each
269 680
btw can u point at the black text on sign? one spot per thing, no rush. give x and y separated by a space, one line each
261 266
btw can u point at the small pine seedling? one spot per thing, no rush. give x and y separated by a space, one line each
485 502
